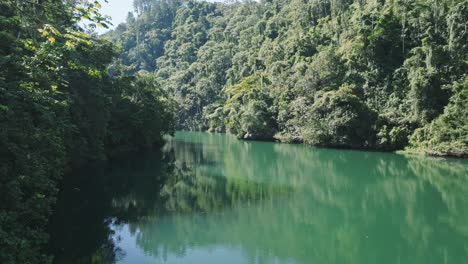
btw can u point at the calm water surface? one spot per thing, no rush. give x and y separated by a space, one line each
209 198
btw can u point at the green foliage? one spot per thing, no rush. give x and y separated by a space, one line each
57 106
340 119
33 159
448 133
140 117
249 111
401 54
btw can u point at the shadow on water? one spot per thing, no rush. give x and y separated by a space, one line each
261 202
98 196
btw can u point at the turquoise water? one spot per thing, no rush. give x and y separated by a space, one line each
209 198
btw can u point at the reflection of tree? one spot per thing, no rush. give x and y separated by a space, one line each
449 179
188 190
79 232
99 196
331 206
271 201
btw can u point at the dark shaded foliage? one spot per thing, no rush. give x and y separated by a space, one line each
58 107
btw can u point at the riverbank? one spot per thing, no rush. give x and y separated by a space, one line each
462 154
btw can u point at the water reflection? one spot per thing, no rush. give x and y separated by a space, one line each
99 197
210 198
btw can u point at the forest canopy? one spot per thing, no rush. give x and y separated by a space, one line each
368 74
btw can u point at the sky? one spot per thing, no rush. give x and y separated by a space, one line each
117 9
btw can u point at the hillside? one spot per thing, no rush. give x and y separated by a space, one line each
364 74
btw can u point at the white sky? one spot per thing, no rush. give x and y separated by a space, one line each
117 9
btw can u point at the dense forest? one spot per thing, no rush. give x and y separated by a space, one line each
366 74
59 108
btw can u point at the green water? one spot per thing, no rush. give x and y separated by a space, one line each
209 198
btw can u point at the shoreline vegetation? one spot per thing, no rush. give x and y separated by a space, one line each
405 152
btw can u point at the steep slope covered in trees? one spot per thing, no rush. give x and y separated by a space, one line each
345 73
59 107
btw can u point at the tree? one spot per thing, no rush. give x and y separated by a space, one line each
340 119
249 114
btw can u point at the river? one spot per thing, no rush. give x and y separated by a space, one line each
210 198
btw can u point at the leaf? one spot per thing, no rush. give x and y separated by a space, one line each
69 44
43 32
3 108
102 25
